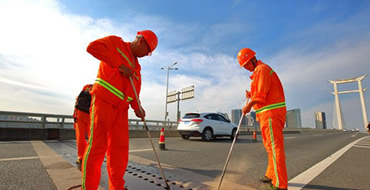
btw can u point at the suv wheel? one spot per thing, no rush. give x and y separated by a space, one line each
207 134
185 136
233 134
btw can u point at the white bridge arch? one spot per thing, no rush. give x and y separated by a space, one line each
337 103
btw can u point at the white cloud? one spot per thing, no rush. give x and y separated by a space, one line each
305 76
43 48
44 63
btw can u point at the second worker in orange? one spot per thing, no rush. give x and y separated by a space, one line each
268 100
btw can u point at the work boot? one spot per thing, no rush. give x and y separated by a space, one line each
264 179
78 163
269 187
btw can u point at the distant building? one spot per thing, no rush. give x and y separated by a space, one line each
256 124
236 115
320 120
293 118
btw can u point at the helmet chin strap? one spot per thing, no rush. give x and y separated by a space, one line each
254 62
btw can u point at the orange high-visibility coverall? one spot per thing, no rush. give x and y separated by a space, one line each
81 126
111 96
266 88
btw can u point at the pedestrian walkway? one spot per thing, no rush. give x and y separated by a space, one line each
49 165
33 165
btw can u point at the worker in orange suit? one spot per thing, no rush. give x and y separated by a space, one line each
81 125
267 99
112 94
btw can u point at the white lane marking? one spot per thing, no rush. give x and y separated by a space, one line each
140 150
304 178
317 135
20 158
289 137
355 134
359 146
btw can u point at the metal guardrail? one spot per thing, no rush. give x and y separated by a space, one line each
10 119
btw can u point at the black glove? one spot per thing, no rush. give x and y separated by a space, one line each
140 114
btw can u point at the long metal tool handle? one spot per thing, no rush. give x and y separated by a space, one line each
150 137
231 149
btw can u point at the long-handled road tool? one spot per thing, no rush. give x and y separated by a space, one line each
231 149
150 137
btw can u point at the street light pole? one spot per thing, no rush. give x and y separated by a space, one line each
168 73
165 111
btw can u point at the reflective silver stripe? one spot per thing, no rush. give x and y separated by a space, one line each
111 88
271 107
273 152
136 77
92 116
129 99
124 56
119 51
272 71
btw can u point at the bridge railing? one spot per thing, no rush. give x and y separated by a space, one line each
10 119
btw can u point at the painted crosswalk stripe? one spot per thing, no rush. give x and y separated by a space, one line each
20 158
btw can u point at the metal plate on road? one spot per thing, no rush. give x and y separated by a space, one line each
140 176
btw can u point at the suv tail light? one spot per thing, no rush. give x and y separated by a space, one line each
197 121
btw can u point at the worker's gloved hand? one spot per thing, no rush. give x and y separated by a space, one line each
125 71
246 109
247 94
140 114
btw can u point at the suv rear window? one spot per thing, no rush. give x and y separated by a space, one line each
191 115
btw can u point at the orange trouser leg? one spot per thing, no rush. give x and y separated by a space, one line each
273 140
98 142
117 153
81 128
108 134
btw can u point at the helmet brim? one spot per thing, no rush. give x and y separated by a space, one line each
242 65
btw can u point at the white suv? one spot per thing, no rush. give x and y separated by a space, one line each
206 125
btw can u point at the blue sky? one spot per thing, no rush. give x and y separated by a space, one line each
43 62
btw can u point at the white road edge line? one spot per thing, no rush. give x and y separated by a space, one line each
362 144
140 150
20 158
359 146
289 137
304 178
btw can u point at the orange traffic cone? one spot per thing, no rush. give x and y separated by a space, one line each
254 136
162 145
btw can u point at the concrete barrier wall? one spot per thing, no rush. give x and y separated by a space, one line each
11 134
16 134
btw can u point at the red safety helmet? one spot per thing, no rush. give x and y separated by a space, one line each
150 38
245 55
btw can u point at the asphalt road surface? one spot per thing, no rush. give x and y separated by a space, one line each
317 160
249 160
